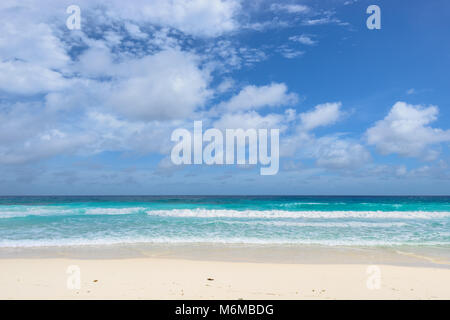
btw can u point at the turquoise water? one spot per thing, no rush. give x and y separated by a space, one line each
355 221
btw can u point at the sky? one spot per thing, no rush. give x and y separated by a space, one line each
90 111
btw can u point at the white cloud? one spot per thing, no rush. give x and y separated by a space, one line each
135 31
322 115
17 123
333 152
290 8
401 171
225 55
108 97
26 78
32 57
25 40
330 151
114 134
226 85
327 18
253 120
30 136
289 53
253 97
167 85
95 61
205 18
406 131
303 39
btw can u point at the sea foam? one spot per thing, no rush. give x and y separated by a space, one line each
212 213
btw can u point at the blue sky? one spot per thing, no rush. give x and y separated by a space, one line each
91 111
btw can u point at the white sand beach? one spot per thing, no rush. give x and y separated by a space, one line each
161 278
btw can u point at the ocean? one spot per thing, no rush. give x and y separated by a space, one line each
322 220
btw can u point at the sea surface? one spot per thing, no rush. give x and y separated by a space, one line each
321 220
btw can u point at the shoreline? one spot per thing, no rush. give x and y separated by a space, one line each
415 256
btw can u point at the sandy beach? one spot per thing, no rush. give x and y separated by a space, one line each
173 278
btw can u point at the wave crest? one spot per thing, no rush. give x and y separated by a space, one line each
223 213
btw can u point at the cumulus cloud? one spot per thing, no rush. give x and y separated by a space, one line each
226 85
198 18
254 97
27 136
332 152
37 141
106 94
111 133
134 31
167 85
26 78
406 131
195 17
322 115
336 153
97 61
26 40
32 57
253 120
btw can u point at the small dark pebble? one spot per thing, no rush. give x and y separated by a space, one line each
210 279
